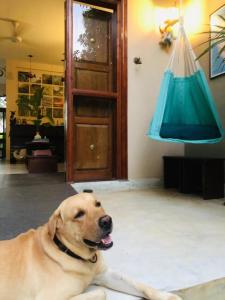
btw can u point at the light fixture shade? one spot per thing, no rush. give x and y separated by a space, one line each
30 75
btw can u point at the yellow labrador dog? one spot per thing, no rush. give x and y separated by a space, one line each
60 259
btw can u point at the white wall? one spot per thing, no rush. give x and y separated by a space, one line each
144 155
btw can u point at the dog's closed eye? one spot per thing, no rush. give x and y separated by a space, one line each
80 214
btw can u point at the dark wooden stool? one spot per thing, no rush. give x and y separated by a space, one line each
42 164
195 175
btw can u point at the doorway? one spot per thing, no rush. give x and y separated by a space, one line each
96 90
32 57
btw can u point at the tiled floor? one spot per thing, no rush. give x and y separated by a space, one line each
7 168
168 240
165 239
20 168
27 200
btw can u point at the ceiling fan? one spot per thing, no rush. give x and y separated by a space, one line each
15 37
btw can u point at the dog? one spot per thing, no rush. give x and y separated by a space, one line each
60 259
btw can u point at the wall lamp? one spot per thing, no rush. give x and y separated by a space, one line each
167 33
167 18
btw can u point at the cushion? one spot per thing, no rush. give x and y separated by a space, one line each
44 152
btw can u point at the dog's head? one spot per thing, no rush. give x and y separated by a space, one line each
81 220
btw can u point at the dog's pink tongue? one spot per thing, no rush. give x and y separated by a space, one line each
107 240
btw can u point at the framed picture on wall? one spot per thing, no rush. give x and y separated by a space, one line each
57 113
58 102
47 101
23 76
23 88
217 53
57 80
58 91
47 90
46 79
53 93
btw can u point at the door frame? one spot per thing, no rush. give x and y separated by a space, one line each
121 169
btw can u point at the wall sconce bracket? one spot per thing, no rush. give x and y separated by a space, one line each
137 61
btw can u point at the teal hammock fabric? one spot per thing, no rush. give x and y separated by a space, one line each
185 111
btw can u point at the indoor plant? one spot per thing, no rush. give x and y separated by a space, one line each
217 37
23 105
33 105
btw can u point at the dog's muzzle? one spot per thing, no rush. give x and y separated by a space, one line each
105 223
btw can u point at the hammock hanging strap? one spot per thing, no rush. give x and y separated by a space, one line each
183 61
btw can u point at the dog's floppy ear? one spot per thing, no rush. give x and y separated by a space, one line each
55 221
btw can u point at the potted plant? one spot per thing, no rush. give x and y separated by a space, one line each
217 37
23 105
33 105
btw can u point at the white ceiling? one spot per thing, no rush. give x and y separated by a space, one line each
42 30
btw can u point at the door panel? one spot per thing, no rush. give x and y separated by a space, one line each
94 138
91 34
92 107
92 48
89 79
92 146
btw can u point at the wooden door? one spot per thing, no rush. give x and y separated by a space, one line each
93 70
95 85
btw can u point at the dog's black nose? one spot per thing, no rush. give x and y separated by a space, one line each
105 223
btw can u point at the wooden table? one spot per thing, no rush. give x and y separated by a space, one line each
195 175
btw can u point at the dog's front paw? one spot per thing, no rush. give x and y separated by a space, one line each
153 294
169 296
101 295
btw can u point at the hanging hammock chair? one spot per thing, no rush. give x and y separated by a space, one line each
185 111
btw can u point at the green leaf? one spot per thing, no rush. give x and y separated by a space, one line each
209 48
220 32
218 26
208 41
52 122
222 17
221 50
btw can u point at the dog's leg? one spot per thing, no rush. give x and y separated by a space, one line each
129 286
93 295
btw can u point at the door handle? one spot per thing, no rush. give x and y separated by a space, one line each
92 147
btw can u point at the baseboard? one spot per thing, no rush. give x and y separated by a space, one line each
118 185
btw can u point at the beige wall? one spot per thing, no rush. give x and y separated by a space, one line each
217 86
144 155
2 78
12 67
